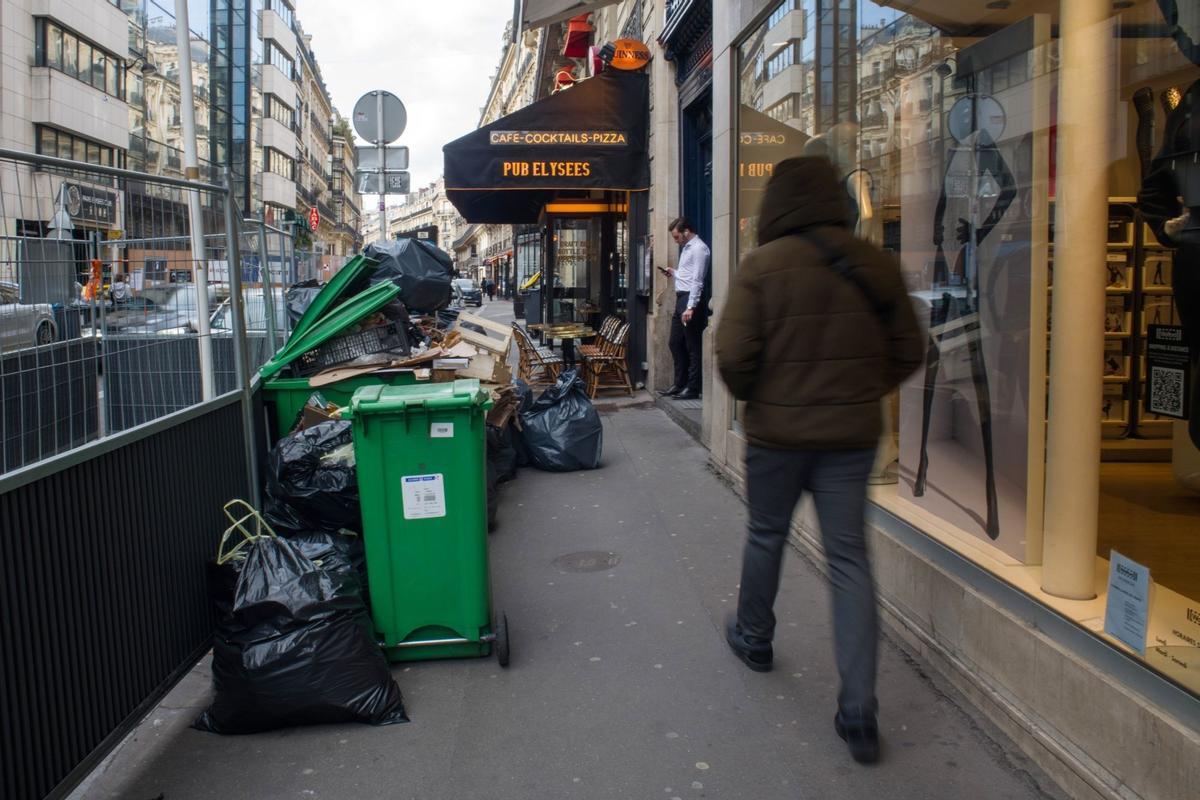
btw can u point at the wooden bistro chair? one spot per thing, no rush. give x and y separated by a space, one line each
607 368
603 337
537 366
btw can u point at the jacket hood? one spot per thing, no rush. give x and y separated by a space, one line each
802 193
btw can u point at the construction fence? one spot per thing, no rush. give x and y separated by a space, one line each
114 312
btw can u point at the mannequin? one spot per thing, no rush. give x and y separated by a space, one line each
976 173
1170 201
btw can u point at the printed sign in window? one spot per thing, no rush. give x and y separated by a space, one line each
424 496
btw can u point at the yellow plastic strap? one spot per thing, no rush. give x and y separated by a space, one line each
261 529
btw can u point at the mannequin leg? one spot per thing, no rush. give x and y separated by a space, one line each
983 401
932 362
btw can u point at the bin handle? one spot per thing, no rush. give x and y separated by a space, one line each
261 528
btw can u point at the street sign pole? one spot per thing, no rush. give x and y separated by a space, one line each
382 145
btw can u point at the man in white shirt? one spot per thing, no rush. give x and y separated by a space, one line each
688 319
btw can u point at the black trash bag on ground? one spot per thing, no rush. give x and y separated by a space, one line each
420 269
340 553
297 649
501 454
312 484
562 429
300 297
525 401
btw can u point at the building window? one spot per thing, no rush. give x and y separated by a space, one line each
53 142
279 164
284 11
60 49
281 112
280 59
778 14
782 60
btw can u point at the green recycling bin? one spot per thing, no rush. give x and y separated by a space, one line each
284 398
421 455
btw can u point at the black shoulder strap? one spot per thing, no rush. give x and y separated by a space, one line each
834 258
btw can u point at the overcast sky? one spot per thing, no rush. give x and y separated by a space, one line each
437 56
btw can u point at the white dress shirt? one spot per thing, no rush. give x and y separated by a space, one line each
689 275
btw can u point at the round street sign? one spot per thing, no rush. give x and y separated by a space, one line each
314 219
374 128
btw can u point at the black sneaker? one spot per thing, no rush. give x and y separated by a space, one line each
860 732
757 656
674 390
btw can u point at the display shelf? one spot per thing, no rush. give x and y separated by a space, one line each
1138 294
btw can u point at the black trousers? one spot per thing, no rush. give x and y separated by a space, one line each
837 481
686 344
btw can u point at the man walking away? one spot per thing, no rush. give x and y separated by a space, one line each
818 327
689 318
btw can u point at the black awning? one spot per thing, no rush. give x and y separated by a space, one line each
591 136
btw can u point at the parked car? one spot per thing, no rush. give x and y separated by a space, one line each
255 311
472 295
24 324
161 309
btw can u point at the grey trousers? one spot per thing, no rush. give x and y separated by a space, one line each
837 480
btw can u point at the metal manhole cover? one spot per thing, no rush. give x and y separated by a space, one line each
587 561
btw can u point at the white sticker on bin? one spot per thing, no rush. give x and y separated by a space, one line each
441 430
424 496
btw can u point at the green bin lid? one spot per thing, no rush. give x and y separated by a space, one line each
432 396
332 324
356 272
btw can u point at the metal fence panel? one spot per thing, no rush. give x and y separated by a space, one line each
104 595
100 306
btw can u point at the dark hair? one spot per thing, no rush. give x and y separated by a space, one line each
681 224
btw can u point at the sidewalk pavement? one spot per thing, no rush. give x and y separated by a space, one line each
621 684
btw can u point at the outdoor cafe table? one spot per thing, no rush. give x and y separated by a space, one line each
567 334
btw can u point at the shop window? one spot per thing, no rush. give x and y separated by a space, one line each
947 148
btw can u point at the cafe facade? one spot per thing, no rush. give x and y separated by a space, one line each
570 174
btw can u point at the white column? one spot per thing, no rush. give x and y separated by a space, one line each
191 165
1086 102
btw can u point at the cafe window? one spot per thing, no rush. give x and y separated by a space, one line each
63 50
949 151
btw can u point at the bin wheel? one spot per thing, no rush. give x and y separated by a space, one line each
501 642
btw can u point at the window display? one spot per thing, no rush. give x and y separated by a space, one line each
949 150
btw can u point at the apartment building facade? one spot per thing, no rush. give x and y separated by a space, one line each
98 81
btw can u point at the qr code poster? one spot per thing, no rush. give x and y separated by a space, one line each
1166 392
1167 371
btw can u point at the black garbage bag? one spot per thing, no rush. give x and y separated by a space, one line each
420 269
562 429
501 454
524 402
297 649
300 297
341 553
311 481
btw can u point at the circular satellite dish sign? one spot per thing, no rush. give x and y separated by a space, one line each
630 54
375 128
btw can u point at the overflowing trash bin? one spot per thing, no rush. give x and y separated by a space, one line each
420 452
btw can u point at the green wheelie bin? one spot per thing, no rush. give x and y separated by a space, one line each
421 456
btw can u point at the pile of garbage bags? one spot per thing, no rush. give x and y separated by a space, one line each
295 646
312 484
